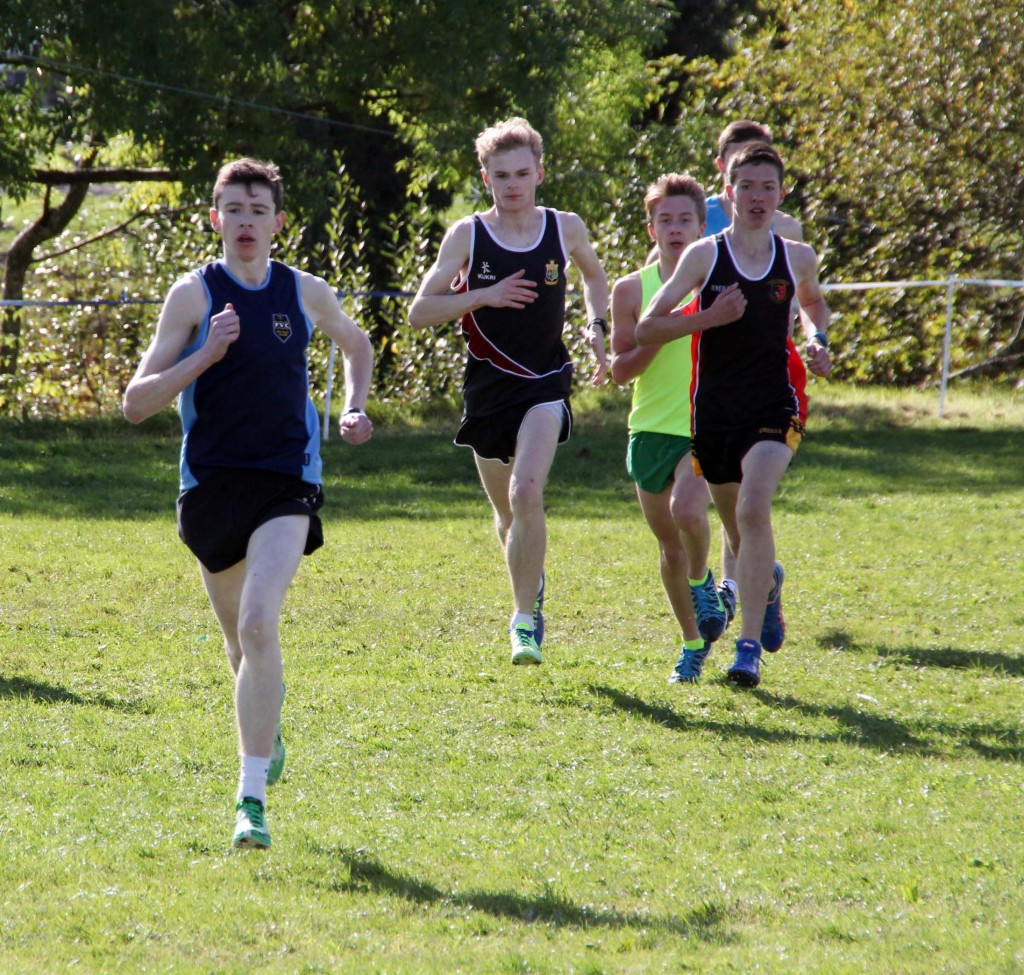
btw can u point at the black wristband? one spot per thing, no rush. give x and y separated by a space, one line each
599 323
354 409
821 338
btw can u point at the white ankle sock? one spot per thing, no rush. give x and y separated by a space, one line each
252 779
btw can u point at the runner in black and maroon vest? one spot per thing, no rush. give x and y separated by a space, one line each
514 357
502 274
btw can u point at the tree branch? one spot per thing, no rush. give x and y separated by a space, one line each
1002 360
110 231
60 177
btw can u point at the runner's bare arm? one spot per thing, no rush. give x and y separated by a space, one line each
435 302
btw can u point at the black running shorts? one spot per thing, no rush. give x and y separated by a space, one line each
718 454
494 436
217 518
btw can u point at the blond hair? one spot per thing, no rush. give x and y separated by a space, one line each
513 133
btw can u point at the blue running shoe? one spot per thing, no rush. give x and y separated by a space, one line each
727 593
773 629
689 665
708 608
538 614
746 668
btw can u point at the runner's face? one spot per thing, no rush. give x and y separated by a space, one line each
246 220
755 194
674 225
513 178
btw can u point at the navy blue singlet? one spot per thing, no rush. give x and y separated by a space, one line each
252 409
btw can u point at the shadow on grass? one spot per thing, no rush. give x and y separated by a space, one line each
890 460
367 874
878 732
945 657
671 719
999 742
42 693
110 469
107 472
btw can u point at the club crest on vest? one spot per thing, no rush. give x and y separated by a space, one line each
282 327
778 291
551 272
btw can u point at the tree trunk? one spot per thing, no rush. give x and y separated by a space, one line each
50 223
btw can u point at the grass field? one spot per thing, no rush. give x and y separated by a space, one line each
860 811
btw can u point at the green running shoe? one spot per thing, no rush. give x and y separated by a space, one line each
277 755
276 759
250 826
712 618
524 645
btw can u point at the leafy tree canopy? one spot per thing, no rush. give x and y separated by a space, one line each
902 128
393 85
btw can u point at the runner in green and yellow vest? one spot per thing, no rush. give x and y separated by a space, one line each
673 498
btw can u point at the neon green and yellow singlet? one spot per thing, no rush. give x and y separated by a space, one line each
661 393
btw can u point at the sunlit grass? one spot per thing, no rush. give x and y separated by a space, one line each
442 812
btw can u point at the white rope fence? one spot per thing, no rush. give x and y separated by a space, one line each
950 285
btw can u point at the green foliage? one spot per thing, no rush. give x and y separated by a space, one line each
901 133
369 73
443 812
357 88
77 359
905 150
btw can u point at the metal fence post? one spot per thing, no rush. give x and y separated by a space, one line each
946 344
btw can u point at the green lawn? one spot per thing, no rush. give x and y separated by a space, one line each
443 812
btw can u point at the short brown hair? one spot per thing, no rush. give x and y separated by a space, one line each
249 173
755 153
676 184
742 131
513 133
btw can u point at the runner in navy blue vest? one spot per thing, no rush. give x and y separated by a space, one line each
746 413
230 345
502 273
